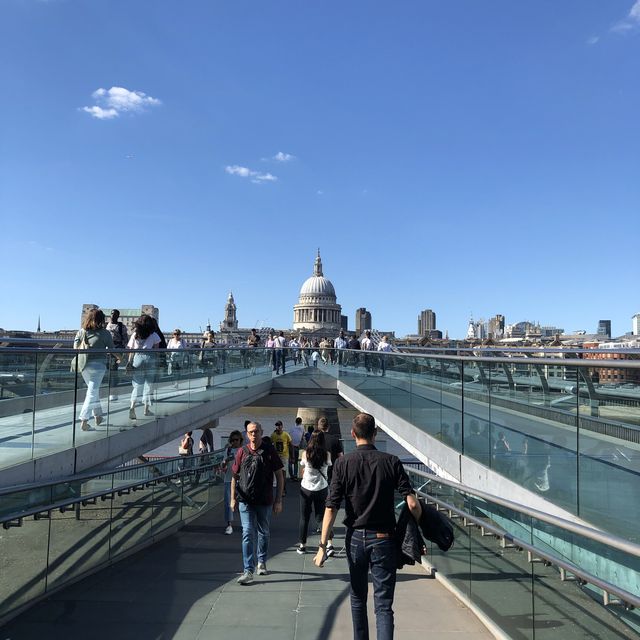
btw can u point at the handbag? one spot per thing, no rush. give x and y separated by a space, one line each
79 361
182 450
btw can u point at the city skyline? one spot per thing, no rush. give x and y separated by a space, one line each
464 157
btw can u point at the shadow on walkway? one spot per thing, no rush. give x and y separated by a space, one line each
185 588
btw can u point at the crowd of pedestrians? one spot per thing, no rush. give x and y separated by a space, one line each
365 481
256 465
175 357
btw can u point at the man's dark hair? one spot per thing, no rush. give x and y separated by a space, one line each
323 424
246 422
364 426
298 420
115 314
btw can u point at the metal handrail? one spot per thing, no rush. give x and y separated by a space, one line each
629 600
62 504
88 476
592 534
631 364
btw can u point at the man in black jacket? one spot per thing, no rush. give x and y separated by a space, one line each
366 480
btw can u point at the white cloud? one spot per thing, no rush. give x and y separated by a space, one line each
283 157
632 21
100 113
110 103
264 177
235 170
257 177
593 40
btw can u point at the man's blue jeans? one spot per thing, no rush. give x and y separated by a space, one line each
365 550
255 524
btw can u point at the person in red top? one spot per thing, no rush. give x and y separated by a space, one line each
256 515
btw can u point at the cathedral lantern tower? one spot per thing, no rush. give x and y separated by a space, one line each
230 322
317 309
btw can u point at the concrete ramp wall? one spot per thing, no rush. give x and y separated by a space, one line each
123 446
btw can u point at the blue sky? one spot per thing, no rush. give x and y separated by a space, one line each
465 156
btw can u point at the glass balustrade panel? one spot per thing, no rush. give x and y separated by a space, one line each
23 562
18 382
132 514
476 422
54 395
167 503
609 462
79 540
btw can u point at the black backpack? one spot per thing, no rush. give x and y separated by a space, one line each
253 477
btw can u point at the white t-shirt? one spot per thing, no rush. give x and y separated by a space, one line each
314 479
296 432
367 344
176 343
148 343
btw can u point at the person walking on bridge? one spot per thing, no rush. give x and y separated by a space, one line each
366 480
340 343
120 337
252 487
280 343
91 365
384 347
143 363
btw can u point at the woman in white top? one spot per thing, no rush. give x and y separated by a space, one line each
143 364
174 361
314 463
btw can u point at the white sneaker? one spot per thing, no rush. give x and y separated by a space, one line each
301 549
330 551
245 578
262 569
228 531
112 398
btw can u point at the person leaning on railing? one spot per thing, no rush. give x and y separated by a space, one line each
92 366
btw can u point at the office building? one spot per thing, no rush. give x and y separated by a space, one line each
604 329
426 322
127 316
496 327
363 320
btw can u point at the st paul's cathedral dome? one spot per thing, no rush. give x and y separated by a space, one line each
317 309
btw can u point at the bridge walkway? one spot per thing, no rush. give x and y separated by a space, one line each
184 587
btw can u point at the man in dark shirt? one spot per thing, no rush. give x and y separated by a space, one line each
332 444
366 480
336 450
255 517
354 345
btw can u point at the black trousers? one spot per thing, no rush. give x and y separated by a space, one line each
309 500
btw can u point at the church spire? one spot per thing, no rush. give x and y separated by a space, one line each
317 267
